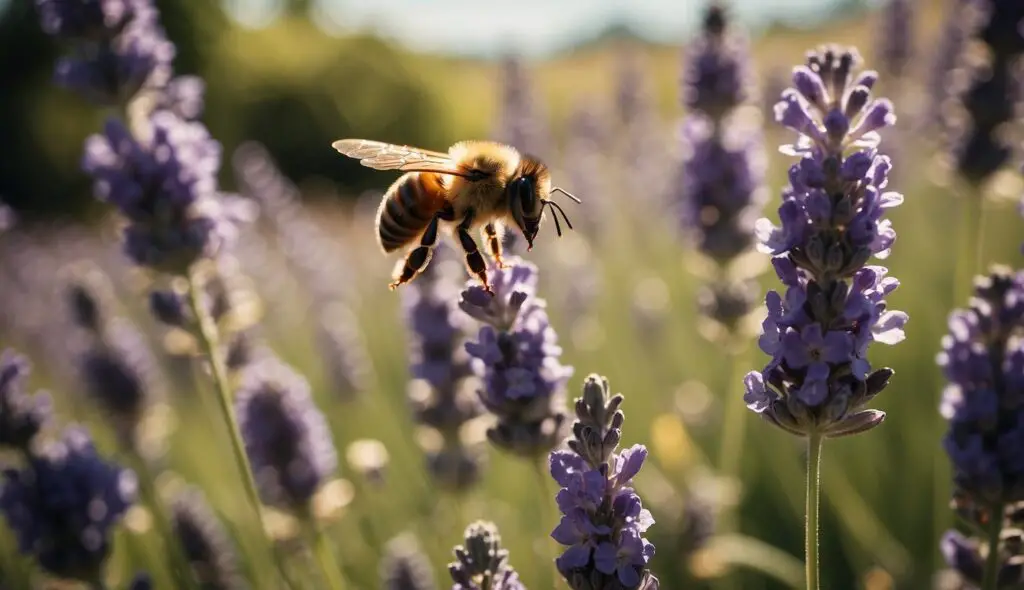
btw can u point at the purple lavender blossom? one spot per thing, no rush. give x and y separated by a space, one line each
603 520
984 102
516 356
204 542
166 187
442 392
286 437
717 77
983 359
818 332
63 503
404 565
22 416
521 122
120 47
482 564
896 37
720 178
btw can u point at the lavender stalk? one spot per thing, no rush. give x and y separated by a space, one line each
721 186
983 359
819 379
603 520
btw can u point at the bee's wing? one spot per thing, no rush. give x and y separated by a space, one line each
387 156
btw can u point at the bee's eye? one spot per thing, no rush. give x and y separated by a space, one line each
524 191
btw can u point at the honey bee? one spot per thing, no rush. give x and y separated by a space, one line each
477 184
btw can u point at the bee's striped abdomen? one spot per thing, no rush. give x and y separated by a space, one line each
407 208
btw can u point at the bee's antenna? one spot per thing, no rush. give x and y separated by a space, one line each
555 210
568 194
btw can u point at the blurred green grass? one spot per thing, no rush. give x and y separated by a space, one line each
879 487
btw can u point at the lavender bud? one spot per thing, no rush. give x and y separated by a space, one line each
63 504
205 543
22 416
482 564
286 437
603 520
170 308
404 566
516 358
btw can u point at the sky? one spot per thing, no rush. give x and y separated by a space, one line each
529 27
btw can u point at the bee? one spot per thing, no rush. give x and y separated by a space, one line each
477 185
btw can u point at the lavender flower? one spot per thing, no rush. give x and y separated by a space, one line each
166 187
819 331
482 564
720 178
115 364
983 359
721 181
896 37
521 122
21 416
603 520
286 437
63 504
517 357
404 566
119 47
985 105
717 77
205 543
442 392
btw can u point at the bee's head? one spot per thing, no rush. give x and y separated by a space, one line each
528 193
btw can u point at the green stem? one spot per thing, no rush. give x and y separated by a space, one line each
547 522
208 341
735 419
969 253
990 581
325 556
813 497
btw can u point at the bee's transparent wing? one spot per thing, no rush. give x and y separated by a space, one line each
387 156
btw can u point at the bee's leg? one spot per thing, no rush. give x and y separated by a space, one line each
474 260
418 257
493 237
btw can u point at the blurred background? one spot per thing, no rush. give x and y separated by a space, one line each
594 88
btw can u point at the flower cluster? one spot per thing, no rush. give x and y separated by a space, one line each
205 542
442 392
983 102
286 437
160 171
482 564
818 332
516 356
119 47
603 520
896 38
404 566
983 359
166 187
22 416
720 179
717 77
117 367
63 504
